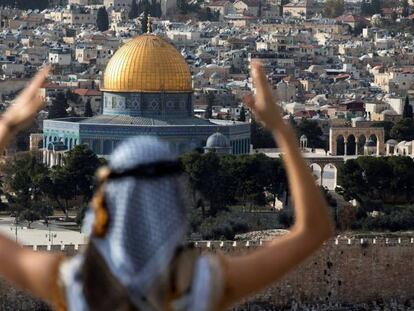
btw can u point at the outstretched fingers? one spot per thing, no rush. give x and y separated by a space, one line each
258 74
259 78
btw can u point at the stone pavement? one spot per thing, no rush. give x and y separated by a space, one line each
40 234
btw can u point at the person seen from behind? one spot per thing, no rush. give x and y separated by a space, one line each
137 258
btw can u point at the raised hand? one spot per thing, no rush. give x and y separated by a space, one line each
27 104
263 105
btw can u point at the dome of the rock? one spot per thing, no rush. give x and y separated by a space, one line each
150 64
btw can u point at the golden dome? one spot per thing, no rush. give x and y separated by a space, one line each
147 64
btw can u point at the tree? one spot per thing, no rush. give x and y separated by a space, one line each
312 131
242 116
389 179
36 212
387 125
211 178
408 109
134 12
274 177
376 7
394 16
365 8
334 8
88 109
58 107
249 185
26 4
405 8
3 206
282 3
403 130
143 6
155 8
22 176
206 15
210 102
371 7
260 136
60 186
182 6
259 10
81 164
102 20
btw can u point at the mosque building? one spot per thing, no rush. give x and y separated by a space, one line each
147 90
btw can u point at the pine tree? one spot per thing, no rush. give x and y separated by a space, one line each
58 107
88 109
408 109
102 20
134 12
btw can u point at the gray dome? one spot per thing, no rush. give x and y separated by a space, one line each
358 119
392 142
218 140
389 112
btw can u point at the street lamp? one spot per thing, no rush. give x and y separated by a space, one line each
50 236
15 230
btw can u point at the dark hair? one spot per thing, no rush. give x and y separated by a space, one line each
102 290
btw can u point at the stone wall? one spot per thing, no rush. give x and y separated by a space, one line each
343 271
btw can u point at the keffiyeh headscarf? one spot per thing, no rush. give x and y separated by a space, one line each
147 226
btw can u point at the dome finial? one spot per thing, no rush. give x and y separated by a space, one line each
149 24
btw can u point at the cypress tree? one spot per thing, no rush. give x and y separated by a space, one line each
102 20
242 116
134 12
406 8
155 8
210 102
376 7
58 107
259 11
408 109
88 109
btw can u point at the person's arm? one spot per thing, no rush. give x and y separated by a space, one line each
28 270
245 275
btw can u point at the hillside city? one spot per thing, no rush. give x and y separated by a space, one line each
342 71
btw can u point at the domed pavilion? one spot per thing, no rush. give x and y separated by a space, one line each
147 90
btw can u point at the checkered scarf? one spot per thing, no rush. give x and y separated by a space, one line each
147 225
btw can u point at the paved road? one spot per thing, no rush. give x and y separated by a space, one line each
40 234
